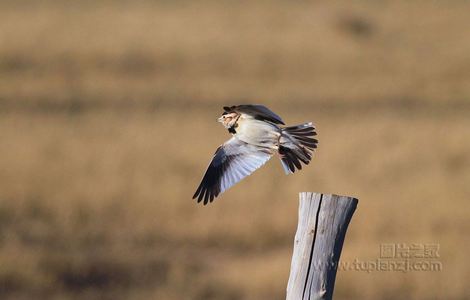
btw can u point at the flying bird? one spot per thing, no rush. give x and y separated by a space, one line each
257 135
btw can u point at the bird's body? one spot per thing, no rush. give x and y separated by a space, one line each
257 132
256 137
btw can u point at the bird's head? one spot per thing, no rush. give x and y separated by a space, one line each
228 119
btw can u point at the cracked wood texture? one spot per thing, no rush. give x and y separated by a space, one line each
323 222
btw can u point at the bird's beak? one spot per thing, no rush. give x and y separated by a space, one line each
221 119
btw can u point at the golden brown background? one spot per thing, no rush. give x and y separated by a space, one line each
107 123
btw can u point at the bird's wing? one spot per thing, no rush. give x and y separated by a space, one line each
232 162
260 112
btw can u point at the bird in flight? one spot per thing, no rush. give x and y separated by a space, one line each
257 135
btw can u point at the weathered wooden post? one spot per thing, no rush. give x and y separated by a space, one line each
323 221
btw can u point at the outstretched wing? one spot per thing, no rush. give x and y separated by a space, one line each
259 112
232 162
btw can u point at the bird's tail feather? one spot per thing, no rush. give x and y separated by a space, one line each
296 145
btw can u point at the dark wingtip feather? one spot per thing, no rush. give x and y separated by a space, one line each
201 195
197 192
206 197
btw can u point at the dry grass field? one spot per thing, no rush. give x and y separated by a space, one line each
107 123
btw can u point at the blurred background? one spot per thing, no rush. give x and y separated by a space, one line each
108 120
